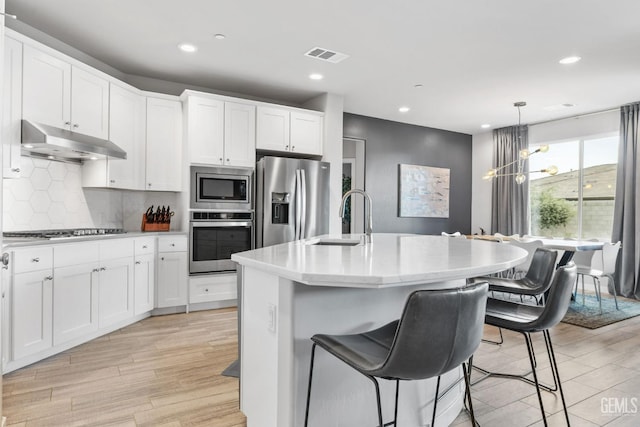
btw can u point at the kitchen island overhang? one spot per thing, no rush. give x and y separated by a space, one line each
294 290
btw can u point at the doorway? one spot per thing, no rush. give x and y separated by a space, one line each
353 173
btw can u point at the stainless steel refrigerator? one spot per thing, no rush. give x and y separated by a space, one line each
292 200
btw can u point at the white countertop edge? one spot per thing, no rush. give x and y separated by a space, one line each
21 243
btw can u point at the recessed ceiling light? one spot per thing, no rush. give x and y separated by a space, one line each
485 126
558 107
570 60
187 47
219 36
316 76
404 109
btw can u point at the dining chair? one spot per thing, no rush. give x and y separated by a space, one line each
609 254
438 331
530 246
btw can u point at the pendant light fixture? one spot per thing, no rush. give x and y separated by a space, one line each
523 156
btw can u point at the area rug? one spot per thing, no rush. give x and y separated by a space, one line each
232 370
588 315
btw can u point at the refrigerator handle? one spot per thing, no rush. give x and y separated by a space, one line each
303 193
298 197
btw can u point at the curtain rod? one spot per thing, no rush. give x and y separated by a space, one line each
576 116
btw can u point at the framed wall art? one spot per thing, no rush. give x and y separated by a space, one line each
423 191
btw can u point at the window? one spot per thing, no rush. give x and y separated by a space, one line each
577 202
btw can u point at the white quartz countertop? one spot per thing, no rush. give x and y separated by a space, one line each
388 260
8 243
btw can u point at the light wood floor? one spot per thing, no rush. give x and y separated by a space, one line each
165 371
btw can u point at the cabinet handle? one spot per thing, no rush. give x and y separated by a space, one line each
144 246
138 262
149 184
95 270
35 260
76 126
220 159
48 278
286 147
113 181
172 244
206 289
5 260
227 160
103 268
293 147
17 170
162 258
67 123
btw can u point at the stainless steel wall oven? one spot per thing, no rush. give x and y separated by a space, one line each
215 236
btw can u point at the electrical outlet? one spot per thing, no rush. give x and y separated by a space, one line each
271 318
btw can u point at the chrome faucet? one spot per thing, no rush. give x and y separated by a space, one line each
368 226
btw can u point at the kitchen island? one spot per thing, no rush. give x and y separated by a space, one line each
335 285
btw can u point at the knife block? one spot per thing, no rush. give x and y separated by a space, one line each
154 226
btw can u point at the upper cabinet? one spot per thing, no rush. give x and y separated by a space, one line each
58 94
164 145
127 122
11 108
294 131
220 132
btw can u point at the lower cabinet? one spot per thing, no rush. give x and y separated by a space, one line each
75 302
116 281
32 313
144 283
172 279
214 287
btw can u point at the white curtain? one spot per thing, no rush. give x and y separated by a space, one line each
509 212
626 223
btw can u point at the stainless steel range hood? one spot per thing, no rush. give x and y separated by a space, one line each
53 143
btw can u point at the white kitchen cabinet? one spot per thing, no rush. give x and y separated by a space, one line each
164 145
115 291
288 130
205 130
239 134
58 94
144 275
31 301
11 108
75 302
127 122
306 133
172 271
220 132
215 287
272 129
75 291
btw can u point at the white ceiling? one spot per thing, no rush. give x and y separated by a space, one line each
474 58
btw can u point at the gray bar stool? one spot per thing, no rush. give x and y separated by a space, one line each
438 331
528 319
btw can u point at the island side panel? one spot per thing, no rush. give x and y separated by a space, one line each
266 349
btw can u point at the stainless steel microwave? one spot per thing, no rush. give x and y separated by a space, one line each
221 188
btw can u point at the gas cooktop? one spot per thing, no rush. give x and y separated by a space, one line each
61 233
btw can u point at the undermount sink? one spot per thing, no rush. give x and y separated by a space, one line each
335 242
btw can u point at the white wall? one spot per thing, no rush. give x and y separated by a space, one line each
333 107
481 161
598 124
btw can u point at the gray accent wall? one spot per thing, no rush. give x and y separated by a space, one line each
389 144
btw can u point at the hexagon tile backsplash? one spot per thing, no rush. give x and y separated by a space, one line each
49 195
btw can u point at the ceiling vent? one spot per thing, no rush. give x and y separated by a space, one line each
326 55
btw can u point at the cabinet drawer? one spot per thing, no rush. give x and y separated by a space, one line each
144 245
116 248
32 259
81 253
212 288
172 244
